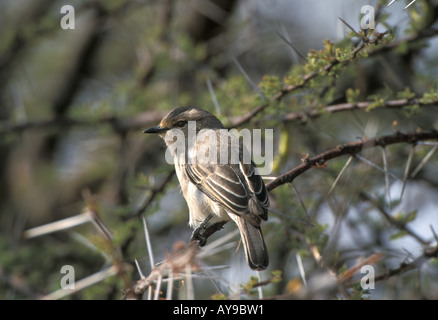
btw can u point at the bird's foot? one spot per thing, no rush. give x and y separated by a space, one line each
198 233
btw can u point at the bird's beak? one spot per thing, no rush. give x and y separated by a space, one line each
156 129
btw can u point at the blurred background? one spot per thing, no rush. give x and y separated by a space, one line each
74 103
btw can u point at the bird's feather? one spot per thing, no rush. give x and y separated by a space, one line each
237 187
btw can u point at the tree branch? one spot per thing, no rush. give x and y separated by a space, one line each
122 124
424 34
396 223
362 105
174 263
290 88
404 267
350 149
154 193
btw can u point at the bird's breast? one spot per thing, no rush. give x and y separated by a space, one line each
200 205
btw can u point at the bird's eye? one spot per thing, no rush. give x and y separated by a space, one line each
181 123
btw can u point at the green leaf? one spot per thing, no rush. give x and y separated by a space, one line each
398 235
410 216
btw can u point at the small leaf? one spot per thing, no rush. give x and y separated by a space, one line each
410 216
398 235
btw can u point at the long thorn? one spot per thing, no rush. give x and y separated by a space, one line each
169 285
256 88
139 269
376 166
148 243
158 287
213 96
407 168
301 268
58 225
390 3
290 44
259 276
428 143
385 166
424 161
409 4
82 284
301 201
189 283
289 217
351 28
434 233
347 164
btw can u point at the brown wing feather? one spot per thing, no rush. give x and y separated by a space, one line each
237 187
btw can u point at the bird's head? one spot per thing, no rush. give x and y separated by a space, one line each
179 118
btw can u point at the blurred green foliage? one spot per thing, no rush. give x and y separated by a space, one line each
76 102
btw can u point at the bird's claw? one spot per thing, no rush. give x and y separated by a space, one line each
198 233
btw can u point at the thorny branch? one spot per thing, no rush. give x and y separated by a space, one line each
154 193
117 260
420 35
122 124
398 224
290 88
429 253
174 263
177 261
361 105
350 149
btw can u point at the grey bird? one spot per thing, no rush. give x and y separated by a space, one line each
216 190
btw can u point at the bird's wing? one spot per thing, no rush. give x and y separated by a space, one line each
235 186
219 183
256 185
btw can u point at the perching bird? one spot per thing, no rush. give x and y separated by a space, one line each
217 179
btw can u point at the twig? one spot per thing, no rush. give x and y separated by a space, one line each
361 105
120 124
154 193
83 283
404 267
59 225
399 225
100 226
349 149
183 255
351 271
173 263
304 80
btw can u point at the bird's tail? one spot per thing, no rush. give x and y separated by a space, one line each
254 244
